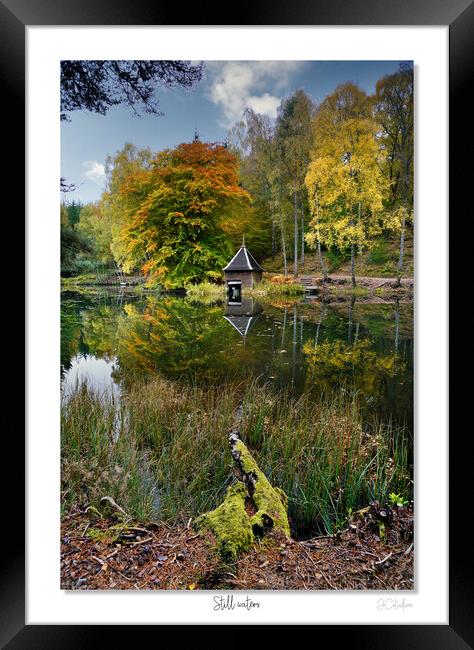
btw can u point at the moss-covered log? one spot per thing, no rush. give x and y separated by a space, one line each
251 507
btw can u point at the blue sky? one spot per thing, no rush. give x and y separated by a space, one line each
216 103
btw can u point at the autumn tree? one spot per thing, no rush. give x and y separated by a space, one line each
344 179
393 102
176 230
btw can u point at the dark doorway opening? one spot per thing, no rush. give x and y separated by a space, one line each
234 290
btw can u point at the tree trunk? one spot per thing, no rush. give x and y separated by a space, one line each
283 330
251 508
397 328
402 251
353 265
324 270
349 324
295 207
273 234
283 246
295 318
322 314
318 327
302 232
358 223
293 368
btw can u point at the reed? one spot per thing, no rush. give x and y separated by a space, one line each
162 451
275 290
206 291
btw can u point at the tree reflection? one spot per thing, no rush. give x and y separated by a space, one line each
298 347
333 365
181 338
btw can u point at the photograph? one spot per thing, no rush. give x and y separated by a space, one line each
237 298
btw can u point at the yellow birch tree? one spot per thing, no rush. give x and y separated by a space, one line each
344 180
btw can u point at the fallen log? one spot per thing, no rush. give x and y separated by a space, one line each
251 507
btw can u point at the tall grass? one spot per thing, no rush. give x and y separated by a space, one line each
275 289
163 452
206 291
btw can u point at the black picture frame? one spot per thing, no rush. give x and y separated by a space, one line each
15 15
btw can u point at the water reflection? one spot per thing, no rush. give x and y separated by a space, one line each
303 346
96 373
242 314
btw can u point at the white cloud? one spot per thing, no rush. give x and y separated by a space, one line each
237 85
265 104
95 171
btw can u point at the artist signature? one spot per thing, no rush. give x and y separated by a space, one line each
393 604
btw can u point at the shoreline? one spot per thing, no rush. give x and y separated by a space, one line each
337 287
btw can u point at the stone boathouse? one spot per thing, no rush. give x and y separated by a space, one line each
242 271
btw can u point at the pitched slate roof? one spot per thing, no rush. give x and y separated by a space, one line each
243 260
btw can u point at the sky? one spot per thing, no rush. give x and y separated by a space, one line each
213 107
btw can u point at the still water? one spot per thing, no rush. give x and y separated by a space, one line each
304 346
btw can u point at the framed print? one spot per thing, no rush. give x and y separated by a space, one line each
237 350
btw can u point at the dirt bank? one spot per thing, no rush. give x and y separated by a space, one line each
368 289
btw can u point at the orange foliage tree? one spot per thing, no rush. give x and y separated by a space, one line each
177 231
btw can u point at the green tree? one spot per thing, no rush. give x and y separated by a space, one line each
253 141
116 206
73 210
73 243
393 102
94 225
294 142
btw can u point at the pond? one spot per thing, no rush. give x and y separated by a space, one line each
351 345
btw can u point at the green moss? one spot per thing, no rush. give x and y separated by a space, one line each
271 503
99 535
229 523
233 527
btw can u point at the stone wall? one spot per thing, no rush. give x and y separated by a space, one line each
247 278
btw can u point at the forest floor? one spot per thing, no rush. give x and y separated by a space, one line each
369 282
370 288
375 551
379 262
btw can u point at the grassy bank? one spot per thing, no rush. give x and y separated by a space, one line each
162 452
272 289
106 278
206 291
